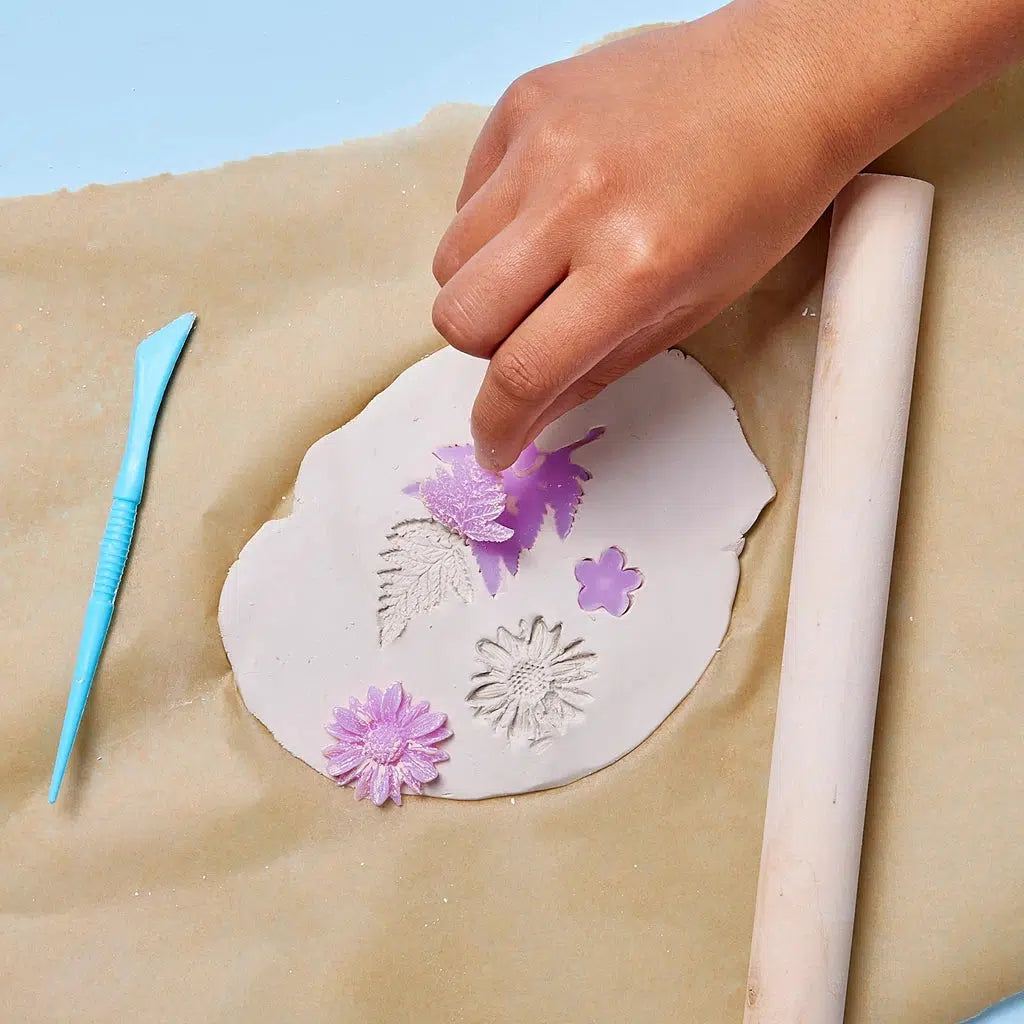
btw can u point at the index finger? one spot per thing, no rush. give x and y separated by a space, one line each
565 337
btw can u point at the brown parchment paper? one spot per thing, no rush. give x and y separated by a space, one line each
194 872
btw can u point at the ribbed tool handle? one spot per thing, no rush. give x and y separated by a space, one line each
117 539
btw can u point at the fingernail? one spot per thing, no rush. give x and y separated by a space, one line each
487 458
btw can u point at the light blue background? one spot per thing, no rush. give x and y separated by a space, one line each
114 90
111 90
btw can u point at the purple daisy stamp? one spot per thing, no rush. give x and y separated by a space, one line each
606 583
384 743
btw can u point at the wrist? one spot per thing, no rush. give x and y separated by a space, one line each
865 73
808 70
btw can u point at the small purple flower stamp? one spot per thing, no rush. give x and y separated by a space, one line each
385 742
607 583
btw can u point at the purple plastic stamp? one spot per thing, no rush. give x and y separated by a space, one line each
466 499
607 583
385 743
538 481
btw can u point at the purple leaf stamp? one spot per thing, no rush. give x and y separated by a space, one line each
466 499
539 481
384 743
607 583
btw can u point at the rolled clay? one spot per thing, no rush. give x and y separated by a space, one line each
618 602
853 464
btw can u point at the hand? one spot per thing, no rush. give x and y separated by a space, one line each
616 202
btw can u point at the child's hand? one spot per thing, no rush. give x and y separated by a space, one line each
617 201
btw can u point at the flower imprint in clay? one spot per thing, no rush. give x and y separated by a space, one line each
531 686
607 583
384 743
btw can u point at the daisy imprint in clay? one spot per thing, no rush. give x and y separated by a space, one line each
532 687
504 601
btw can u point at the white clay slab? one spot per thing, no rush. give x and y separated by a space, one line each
673 485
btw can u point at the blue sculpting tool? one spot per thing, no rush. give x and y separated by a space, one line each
1009 1011
155 360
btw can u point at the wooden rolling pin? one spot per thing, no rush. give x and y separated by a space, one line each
846 525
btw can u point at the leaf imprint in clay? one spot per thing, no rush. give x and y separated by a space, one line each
384 743
425 563
531 688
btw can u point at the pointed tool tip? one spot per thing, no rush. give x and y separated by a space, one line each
179 328
185 322
162 348
60 764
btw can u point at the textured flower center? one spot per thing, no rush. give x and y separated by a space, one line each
528 681
384 744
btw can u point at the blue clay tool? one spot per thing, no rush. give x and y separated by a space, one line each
155 360
1009 1011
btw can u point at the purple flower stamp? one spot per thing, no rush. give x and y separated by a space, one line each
384 743
607 583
